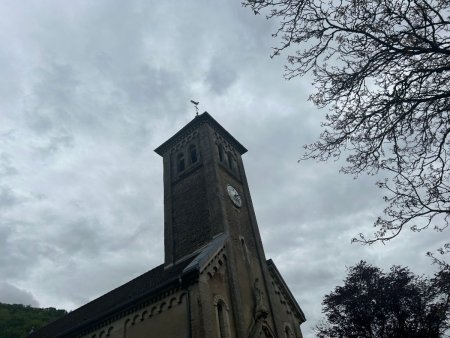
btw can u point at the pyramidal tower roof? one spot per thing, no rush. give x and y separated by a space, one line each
194 124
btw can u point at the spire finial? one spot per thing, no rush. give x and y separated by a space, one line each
195 103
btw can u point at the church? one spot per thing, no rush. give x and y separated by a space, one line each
215 281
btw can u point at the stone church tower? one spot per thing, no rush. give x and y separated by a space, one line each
215 281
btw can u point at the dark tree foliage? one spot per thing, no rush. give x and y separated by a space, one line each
382 67
16 320
397 304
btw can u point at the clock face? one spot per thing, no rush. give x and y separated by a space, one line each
234 196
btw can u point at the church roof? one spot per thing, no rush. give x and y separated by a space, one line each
206 253
195 123
118 301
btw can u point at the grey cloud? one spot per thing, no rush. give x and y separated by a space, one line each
53 93
6 165
149 87
17 256
79 237
221 75
55 143
6 231
11 294
8 198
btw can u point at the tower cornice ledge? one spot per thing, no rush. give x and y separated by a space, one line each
191 126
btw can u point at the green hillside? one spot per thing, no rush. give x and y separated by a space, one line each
17 320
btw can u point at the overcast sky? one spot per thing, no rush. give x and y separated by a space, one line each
89 89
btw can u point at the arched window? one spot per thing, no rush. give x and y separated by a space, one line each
193 153
287 332
222 320
180 162
223 323
230 161
220 150
244 248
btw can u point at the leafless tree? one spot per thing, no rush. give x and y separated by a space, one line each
382 67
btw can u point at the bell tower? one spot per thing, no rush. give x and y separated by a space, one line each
207 205
205 190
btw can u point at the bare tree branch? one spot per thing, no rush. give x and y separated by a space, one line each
382 68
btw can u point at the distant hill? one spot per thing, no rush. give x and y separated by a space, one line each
17 320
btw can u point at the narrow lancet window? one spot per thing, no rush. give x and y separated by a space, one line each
180 162
230 161
244 249
287 332
223 320
220 149
193 153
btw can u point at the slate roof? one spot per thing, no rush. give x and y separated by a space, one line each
124 297
202 118
116 301
206 253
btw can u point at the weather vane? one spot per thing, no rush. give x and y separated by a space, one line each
195 103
